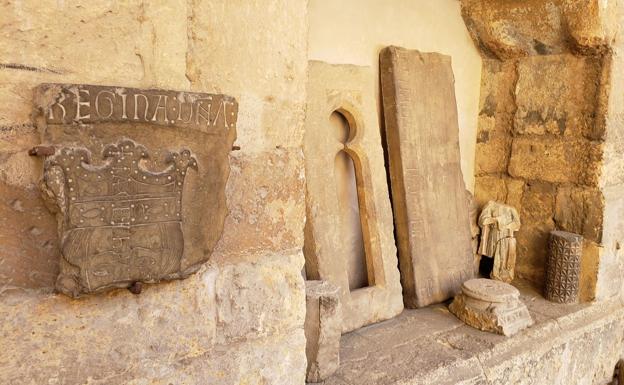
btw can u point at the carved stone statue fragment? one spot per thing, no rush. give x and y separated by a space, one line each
498 224
491 306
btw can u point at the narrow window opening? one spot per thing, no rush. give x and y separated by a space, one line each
349 206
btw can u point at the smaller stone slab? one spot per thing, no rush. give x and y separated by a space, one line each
323 327
491 306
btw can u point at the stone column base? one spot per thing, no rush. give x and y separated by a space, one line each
491 306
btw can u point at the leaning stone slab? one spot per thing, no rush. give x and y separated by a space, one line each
491 306
329 235
323 328
136 179
430 207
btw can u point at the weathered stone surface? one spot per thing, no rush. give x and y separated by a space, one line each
223 325
549 103
495 117
572 344
506 29
323 327
492 153
556 161
498 224
611 249
580 210
563 267
491 306
349 90
430 206
121 216
500 189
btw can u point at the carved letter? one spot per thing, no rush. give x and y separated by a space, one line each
58 103
79 104
200 108
180 104
110 101
159 107
123 102
136 106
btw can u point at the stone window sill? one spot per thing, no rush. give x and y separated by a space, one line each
431 346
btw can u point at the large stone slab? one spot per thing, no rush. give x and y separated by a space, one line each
348 212
136 179
430 207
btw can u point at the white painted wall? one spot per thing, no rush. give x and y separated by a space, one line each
354 31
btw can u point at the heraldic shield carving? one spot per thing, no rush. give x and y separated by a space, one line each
119 223
136 180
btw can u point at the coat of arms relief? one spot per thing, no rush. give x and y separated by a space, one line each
136 180
118 222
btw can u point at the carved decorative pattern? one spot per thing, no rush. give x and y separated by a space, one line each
118 222
563 267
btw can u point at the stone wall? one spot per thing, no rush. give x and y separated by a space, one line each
545 127
240 318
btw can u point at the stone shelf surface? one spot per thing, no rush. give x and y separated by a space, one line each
568 344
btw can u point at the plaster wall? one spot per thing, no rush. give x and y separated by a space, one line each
355 31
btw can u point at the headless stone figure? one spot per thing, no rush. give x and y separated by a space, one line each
498 224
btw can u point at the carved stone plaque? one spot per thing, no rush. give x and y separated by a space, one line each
137 181
348 234
431 211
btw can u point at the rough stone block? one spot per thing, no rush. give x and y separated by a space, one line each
323 327
349 229
492 153
489 188
580 210
498 82
538 202
515 192
550 102
556 161
506 30
610 269
589 270
491 306
500 189
532 246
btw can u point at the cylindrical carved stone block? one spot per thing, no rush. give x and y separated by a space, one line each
563 267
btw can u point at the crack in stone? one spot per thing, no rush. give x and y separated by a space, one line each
24 67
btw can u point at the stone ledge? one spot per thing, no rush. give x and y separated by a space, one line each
568 344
